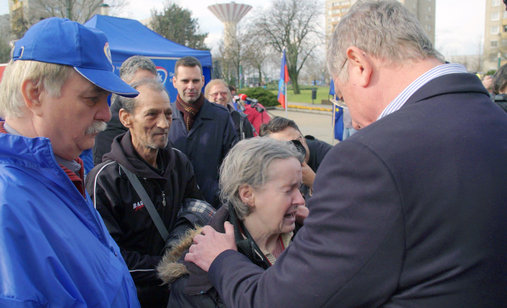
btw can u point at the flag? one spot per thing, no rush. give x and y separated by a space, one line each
331 88
338 122
282 84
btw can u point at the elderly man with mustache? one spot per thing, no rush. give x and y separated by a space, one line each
165 173
54 247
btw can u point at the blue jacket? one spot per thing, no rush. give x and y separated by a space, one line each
206 144
54 248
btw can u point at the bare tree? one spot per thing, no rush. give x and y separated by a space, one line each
316 68
5 36
293 25
255 52
77 10
226 64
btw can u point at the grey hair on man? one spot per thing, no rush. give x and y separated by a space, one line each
248 163
129 103
214 82
130 66
375 29
50 76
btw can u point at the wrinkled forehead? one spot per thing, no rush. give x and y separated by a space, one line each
218 88
188 72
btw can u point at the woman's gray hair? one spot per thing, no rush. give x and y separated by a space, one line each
383 29
248 163
50 77
129 103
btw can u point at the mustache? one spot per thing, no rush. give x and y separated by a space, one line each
96 127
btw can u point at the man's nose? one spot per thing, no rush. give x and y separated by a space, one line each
104 113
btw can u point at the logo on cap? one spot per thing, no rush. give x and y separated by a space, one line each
107 52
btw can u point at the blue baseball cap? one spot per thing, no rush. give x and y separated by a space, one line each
62 41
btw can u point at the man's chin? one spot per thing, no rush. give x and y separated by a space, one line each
157 146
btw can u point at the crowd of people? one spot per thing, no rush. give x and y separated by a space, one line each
188 202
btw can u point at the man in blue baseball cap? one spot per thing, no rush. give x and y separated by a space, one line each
54 247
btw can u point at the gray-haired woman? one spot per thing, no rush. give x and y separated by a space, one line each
259 181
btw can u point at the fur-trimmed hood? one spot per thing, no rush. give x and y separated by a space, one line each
171 267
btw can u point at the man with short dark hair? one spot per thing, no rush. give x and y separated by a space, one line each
165 173
133 69
55 250
200 129
410 211
281 128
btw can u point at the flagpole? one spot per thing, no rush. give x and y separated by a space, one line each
286 94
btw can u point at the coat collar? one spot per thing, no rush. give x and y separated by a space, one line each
448 84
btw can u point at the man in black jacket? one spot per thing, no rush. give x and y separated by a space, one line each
133 69
165 173
315 150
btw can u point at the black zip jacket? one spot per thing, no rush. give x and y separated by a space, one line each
124 213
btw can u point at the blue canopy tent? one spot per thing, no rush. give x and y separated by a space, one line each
128 37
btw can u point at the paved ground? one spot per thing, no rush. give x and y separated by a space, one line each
316 121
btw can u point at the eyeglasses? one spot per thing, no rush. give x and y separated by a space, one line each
343 65
340 102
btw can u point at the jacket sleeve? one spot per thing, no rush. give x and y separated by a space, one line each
191 188
104 190
230 137
348 253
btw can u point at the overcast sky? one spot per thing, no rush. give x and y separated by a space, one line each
459 23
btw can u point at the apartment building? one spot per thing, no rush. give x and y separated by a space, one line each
495 35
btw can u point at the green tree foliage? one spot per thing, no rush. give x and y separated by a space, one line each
176 24
264 96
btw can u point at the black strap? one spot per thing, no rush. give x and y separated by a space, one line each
247 246
147 203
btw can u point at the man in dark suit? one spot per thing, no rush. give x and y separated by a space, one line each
202 130
408 212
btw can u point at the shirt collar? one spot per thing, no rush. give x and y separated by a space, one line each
437 71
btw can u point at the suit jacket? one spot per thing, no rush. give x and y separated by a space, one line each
206 144
408 212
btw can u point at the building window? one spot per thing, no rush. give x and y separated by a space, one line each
494 44
495 30
496 2
504 28
504 43
504 14
495 16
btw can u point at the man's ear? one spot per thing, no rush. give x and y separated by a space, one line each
125 118
246 194
361 66
32 94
